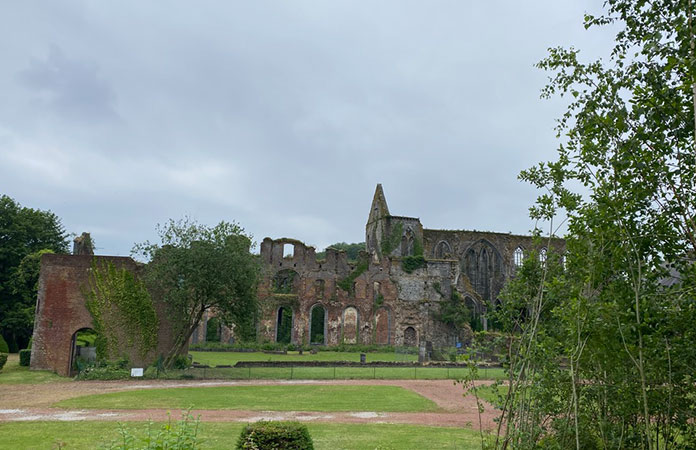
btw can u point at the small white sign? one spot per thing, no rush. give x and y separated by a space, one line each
137 372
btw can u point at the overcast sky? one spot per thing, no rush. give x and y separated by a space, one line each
282 116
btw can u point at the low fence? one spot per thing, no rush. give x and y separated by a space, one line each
320 370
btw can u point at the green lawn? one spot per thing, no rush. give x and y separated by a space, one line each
322 373
215 435
231 358
263 398
13 373
491 394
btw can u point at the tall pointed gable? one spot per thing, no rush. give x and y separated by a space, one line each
379 208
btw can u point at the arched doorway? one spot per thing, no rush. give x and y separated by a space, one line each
213 330
350 325
83 350
317 325
410 337
284 325
382 327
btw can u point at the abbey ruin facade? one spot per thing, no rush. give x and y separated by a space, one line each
392 294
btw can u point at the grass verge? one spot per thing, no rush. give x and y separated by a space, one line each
231 358
13 373
89 435
261 398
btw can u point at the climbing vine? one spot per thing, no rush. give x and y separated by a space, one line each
120 306
392 241
411 263
347 283
455 312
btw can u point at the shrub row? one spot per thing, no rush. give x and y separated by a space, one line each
3 360
25 357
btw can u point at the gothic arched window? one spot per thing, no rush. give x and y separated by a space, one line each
518 256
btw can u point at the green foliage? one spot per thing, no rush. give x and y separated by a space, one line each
120 305
379 300
24 357
3 360
181 362
273 435
346 284
284 333
25 233
411 263
352 250
3 345
390 242
116 369
605 353
182 435
317 321
212 330
197 268
455 312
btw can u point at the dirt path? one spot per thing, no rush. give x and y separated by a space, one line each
33 402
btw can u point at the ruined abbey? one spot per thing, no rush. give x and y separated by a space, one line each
391 295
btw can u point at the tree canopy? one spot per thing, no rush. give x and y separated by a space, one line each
25 234
605 354
352 250
196 269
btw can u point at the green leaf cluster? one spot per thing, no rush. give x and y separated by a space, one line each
120 305
390 242
352 250
347 283
411 263
604 356
25 234
270 435
197 268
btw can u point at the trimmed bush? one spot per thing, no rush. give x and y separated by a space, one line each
24 357
3 345
3 360
265 435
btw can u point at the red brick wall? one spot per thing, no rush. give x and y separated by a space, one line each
61 311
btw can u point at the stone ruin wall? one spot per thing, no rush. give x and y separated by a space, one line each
407 300
61 312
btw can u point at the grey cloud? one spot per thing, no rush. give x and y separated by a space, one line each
280 115
69 86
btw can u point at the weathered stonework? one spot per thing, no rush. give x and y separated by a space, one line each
386 304
305 300
61 312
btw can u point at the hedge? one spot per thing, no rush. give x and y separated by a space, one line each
265 435
24 357
3 345
3 360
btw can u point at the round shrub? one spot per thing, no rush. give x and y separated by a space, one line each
265 435
3 345
24 357
3 360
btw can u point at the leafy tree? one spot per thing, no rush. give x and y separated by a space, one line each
352 250
197 268
24 234
605 353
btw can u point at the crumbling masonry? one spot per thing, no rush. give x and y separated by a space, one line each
375 300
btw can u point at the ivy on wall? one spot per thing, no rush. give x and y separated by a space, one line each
390 243
411 263
120 306
347 283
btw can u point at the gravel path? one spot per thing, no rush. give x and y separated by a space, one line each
33 402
